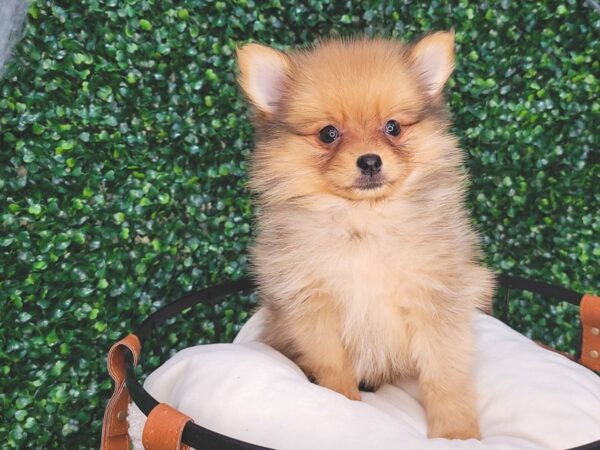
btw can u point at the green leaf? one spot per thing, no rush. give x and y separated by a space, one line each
35 210
37 129
119 218
145 25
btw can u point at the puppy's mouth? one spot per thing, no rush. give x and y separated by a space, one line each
369 183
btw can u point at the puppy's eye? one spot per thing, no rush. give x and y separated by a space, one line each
329 134
392 127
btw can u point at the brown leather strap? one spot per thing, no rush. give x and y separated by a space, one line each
589 310
163 429
114 427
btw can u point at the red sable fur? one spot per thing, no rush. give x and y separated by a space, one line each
366 285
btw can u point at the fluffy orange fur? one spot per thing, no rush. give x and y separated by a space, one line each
366 285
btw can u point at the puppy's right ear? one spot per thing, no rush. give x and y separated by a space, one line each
263 72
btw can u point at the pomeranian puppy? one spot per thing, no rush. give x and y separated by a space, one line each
367 263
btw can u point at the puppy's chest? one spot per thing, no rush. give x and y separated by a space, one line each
358 256
365 264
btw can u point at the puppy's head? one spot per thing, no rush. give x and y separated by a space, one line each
352 118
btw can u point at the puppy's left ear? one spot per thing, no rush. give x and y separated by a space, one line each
433 58
263 74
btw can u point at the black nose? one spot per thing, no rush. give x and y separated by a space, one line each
369 164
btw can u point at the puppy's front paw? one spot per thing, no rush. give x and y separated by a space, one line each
454 428
451 410
351 392
341 383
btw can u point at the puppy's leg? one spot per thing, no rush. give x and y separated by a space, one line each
322 353
316 346
447 391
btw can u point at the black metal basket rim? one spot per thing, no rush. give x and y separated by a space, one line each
197 436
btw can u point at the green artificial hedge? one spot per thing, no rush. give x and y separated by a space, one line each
122 172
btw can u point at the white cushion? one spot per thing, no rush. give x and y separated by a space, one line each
529 398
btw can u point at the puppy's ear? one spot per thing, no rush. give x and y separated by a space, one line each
433 58
263 72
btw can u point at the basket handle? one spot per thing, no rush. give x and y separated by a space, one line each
115 434
163 429
589 310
